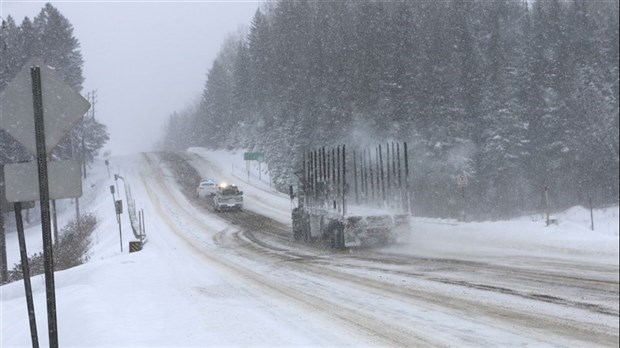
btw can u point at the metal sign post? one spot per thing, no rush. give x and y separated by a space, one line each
107 165
26 273
118 209
63 107
37 100
547 221
253 156
118 206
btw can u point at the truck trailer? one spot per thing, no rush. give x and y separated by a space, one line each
352 198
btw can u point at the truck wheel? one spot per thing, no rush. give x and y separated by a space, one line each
305 228
298 231
341 238
297 228
336 237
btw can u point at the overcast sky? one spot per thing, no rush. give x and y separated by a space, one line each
146 59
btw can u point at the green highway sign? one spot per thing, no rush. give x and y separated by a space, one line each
254 156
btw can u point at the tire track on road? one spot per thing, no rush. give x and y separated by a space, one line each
340 266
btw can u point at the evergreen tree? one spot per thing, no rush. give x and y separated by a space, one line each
49 37
58 47
518 95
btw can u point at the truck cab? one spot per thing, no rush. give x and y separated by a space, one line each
228 197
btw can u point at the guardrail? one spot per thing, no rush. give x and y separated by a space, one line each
136 218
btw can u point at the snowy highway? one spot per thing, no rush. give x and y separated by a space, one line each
236 278
255 173
392 298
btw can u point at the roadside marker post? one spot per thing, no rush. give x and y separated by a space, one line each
19 224
36 90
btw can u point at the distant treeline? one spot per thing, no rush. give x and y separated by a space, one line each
516 95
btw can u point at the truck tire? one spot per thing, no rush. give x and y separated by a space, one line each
305 226
336 236
298 229
340 238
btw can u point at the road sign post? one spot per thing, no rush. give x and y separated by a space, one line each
118 206
253 156
39 128
37 90
26 273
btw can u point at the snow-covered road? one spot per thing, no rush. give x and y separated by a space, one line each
381 295
207 279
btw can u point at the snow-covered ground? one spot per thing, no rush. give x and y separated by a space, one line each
186 289
571 238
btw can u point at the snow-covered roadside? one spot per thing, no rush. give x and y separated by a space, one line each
166 295
509 241
260 197
497 241
163 295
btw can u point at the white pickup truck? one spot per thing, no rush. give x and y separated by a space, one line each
206 188
228 197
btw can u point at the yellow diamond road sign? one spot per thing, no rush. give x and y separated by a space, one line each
62 107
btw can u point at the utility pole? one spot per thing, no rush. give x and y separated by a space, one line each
4 272
3 256
92 98
73 155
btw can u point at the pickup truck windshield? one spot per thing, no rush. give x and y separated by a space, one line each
230 191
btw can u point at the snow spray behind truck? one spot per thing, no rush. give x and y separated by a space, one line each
351 198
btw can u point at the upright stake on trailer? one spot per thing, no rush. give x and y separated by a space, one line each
328 179
315 166
320 169
387 165
591 213
344 183
338 173
37 101
309 180
333 173
393 167
400 181
26 274
364 176
325 171
547 206
383 196
407 209
372 179
379 192
357 197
